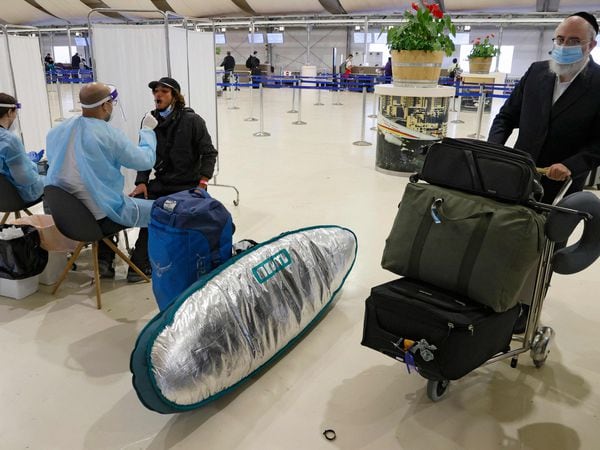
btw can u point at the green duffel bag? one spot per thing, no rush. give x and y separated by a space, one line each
471 245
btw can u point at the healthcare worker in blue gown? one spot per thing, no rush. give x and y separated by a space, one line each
14 162
85 156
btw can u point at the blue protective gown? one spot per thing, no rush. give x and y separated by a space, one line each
100 151
18 168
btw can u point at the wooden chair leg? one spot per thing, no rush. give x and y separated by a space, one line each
122 255
17 214
29 213
68 267
96 274
4 218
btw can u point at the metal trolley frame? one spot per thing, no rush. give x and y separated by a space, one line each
537 339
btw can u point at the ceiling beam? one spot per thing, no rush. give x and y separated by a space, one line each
94 4
162 5
333 6
547 5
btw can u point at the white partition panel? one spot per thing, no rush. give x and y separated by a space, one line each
199 64
202 96
34 117
130 56
6 85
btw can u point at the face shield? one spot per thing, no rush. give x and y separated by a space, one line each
112 98
14 106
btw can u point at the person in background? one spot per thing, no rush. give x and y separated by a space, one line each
348 64
48 61
75 64
454 71
387 71
185 158
228 66
15 164
85 156
253 63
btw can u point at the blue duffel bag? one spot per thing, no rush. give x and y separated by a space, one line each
190 233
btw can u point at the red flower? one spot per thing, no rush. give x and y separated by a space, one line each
436 11
415 6
477 41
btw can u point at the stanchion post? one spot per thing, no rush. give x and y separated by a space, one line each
335 97
293 110
362 142
251 117
262 132
476 135
75 108
60 107
318 95
373 115
299 120
458 92
232 96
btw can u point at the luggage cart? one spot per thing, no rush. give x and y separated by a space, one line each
536 339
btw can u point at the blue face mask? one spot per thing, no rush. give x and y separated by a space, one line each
166 112
567 55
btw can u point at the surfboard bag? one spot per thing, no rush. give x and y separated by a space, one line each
239 317
473 246
482 168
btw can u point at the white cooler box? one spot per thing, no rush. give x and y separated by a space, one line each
19 289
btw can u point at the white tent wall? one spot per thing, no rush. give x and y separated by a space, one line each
202 96
34 117
129 57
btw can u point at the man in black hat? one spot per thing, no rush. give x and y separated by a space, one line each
185 157
556 108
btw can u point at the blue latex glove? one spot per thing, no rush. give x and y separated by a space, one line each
36 156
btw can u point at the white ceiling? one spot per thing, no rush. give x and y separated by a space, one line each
20 12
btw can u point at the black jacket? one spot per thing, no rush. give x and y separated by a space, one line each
184 151
228 63
567 132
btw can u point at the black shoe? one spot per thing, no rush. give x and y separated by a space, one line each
105 269
134 277
521 323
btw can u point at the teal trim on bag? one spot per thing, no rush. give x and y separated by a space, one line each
154 329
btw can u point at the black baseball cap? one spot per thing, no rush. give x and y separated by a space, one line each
166 81
589 18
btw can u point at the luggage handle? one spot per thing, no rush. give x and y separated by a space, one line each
437 214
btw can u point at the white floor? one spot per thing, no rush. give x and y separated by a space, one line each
65 380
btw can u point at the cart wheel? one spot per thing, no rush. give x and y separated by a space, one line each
514 361
436 390
540 345
539 363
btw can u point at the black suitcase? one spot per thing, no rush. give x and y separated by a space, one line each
482 168
444 336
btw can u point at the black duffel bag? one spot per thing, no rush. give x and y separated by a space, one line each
22 257
482 168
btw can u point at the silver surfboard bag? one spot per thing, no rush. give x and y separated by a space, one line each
237 318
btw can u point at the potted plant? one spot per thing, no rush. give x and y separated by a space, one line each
480 58
418 45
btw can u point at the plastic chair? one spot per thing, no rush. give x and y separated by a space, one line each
11 201
75 221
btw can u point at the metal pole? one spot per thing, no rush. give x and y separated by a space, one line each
373 115
362 142
47 93
476 135
299 121
366 30
307 44
335 93
232 97
251 117
262 121
293 110
75 108
319 97
458 91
